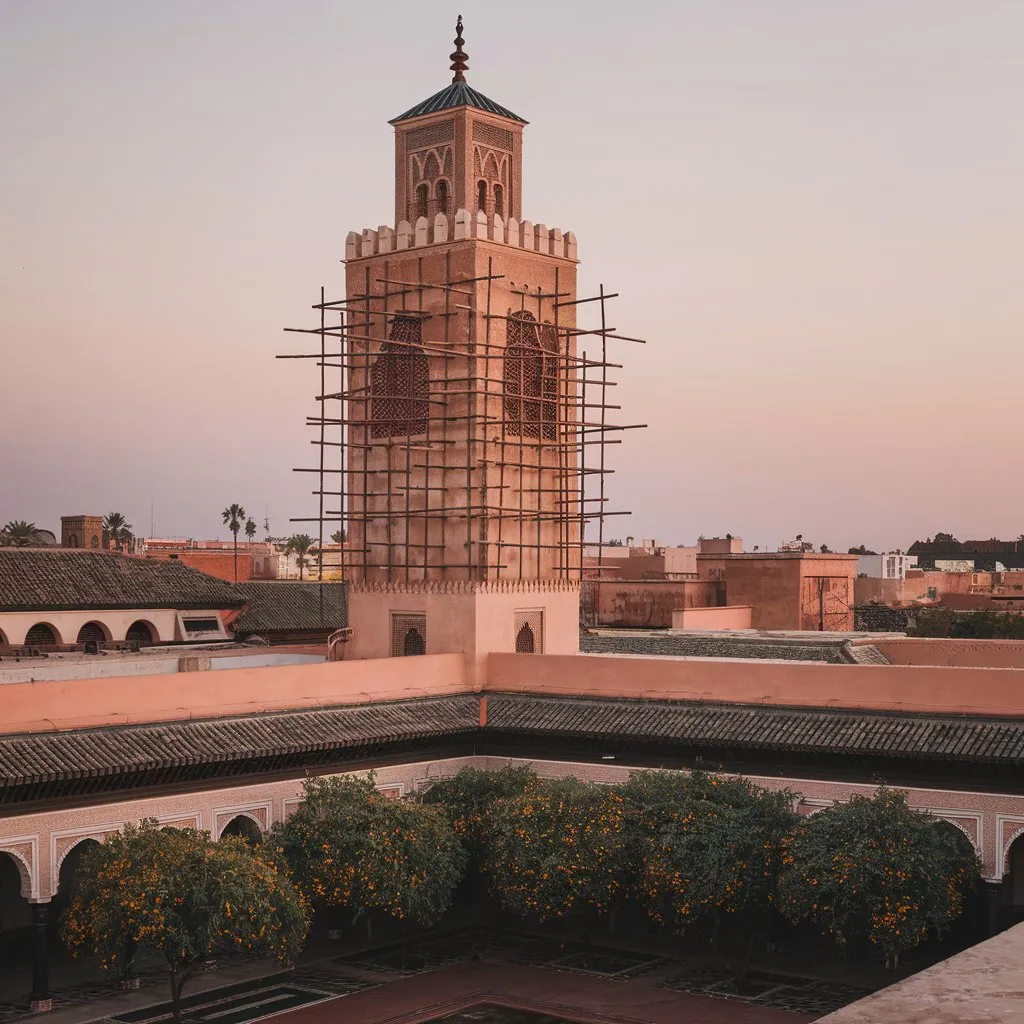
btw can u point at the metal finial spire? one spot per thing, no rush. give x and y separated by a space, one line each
459 57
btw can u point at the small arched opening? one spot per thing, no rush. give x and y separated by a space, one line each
499 201
141 634
42 634
72 540
15 912
68 878
3 639
422 200
525 640
443 195
413 643
244 827
1013 882
93 633
481 195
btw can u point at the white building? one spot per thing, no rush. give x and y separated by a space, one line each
892 565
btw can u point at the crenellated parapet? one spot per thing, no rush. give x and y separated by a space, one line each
465 225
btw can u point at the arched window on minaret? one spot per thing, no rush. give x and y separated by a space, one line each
530 396
400 382
442 197
422 200
481 195
499 201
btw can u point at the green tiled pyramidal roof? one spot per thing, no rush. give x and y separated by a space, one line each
458 94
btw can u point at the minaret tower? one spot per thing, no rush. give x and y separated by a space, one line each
463 408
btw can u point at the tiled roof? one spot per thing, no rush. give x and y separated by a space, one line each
682 645
285 605
458 94
183 747
69 580
812 730
58 765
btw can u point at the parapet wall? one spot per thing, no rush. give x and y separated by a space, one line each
517 234
500 586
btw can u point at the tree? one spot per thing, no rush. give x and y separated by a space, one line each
708 850
338 536
825 550
186 898
20 534
350 847
250 529
234 516
873 871
862 550
468 799
944 538
117 529
558 848
298 544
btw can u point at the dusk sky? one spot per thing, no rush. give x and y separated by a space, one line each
813 212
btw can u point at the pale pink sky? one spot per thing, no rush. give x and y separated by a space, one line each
813 211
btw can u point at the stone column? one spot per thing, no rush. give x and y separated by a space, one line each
40 1000
993 900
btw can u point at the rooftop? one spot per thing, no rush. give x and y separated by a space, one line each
458 94
291 606
830 648
38 579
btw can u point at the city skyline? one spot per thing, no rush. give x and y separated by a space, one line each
811 216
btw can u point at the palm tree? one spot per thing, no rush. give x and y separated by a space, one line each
298 544
234 516
117 529
20 534
338 536
250 529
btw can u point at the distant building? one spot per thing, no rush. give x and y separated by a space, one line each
892 565
81 532
53 599
954 564
256 560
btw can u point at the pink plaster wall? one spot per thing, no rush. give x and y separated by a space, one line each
726 617
980 691
955 653
87 703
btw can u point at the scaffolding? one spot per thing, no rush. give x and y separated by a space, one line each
452 489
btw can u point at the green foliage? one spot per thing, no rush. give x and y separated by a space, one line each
348 846
117 529
468 798
250 529
18 534
706 846
874 871
981 625
298 544
185 897
559 847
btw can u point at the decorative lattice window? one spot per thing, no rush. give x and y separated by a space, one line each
400 382
529 629
408 635
530 377
491 135
430 135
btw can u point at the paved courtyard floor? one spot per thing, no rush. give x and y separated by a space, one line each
451 970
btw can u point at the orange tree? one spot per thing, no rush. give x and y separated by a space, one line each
874 872
707 850
468 798
558 848
185 897
349 847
